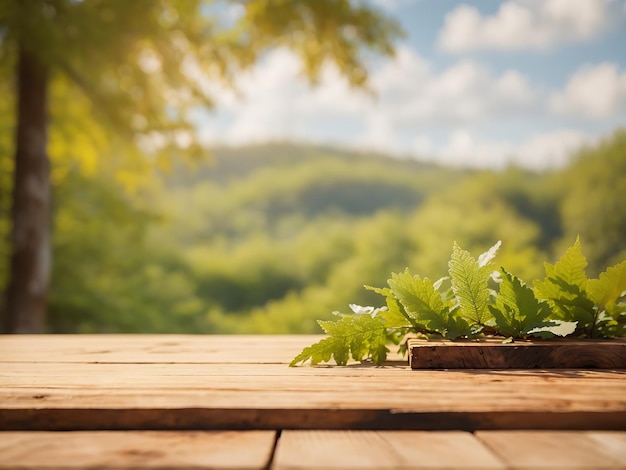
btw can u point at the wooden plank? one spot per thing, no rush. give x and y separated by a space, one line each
301 450
451 449
187 399
202 349
333 450
269 386
550 450
136 449
176 394
613 443
539 354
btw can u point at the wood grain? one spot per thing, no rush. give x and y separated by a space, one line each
611 443
540 354
141 383
136 449
131 349
302 450
551 450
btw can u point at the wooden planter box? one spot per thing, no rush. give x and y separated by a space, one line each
532 354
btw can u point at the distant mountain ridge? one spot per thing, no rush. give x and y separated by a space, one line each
277 180
225 163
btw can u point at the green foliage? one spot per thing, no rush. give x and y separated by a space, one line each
424 306
518 313
609 295
232 246
470 284
592 205
261 239
359 336
132 75
564 287
514 312
610 287
154 57
109 276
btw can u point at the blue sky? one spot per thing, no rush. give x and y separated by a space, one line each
480 84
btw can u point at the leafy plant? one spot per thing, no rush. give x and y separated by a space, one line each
477 301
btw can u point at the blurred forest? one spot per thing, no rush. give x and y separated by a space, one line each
151 232
267 239
121 81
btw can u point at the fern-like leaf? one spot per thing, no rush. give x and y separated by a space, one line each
519 313
357 336
424 305
609 294
564 287
568 273
394 316
470 285
564 303
611 285
417 295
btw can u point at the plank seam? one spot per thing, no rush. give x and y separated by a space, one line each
491 450
270 460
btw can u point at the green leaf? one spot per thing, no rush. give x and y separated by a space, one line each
424 305
564 289
606 290
417 295
358 336
568 274
469 284
517 311
394 315
560 305
456 326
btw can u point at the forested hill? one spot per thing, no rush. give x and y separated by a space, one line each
267 239
285 178
226 163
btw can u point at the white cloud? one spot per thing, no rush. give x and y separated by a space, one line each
551 149
593 92
537 152
423 146
413 104
524 24
469 92
277 103
411 95
266 101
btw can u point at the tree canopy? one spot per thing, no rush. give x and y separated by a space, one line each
143 64
133 69
232 246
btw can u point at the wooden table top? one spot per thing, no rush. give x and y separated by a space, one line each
170 401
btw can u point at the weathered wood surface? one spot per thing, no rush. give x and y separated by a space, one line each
161 349
190 383
307 450
136 449
209 382
493 354
303 450
557 449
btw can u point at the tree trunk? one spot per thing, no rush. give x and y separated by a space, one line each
27 291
